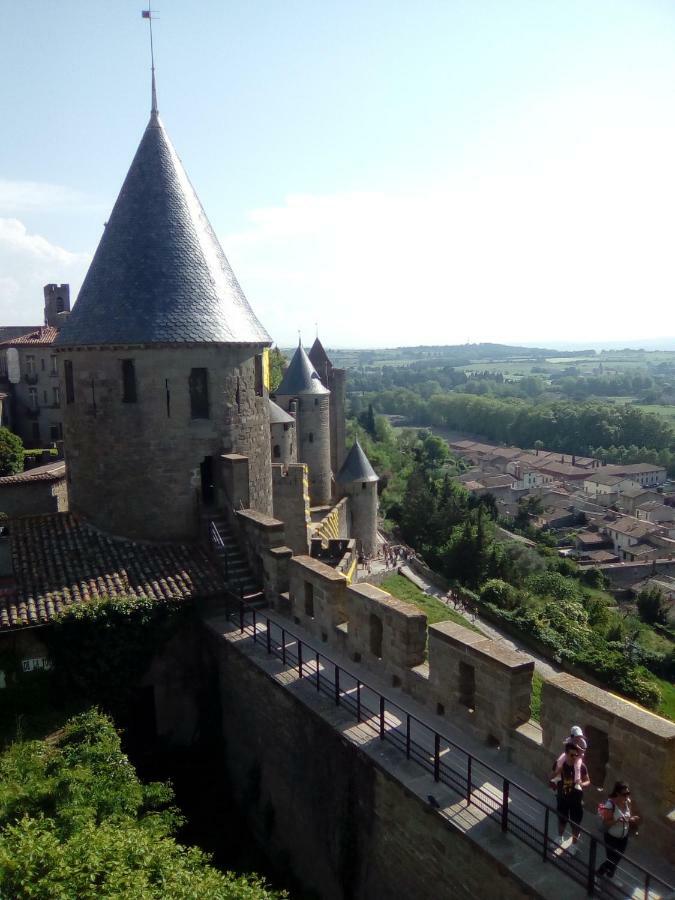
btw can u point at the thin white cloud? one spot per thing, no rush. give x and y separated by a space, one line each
571 249
27 262
18 197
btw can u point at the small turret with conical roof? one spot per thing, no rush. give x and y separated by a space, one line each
303 395
282 436
162 362
358 480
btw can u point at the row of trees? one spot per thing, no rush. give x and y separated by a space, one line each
535 591
617 433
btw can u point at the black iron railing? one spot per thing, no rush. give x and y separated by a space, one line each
219 546
511 807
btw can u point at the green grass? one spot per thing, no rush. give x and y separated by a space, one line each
666 412
435 611
667 707
537 682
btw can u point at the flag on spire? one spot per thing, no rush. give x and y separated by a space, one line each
145 13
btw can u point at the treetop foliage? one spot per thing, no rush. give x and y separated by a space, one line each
11 453
75 821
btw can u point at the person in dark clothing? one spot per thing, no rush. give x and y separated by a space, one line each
570 802
617 819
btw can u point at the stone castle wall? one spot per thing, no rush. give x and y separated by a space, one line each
283 446
337 385
335 524
153 446
336 816
313 427
363 515
33 499
486 687
290 494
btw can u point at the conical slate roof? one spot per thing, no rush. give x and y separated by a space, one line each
319 359
356 467
300 377
159 274
279 416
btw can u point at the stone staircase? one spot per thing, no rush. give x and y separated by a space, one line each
240 580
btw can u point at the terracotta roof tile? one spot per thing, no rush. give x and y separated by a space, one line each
44 335
59 560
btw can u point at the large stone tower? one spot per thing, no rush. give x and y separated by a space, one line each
161 362
358 480
302 394
335 380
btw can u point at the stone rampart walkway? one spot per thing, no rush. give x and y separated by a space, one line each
391 722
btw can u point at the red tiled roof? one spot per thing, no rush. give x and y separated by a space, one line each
45 334
59 560
50 472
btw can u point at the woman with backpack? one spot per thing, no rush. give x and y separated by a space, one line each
617 819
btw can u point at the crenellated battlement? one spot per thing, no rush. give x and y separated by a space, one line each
486 688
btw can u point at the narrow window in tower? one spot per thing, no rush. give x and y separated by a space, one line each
363 485
237 395
168 398
70 384
258 360
199 394
277 451
128 381
310 437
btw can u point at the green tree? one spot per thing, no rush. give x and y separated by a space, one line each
11 453
278 363
76 821
652 607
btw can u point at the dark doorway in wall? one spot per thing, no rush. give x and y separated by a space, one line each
597 754
208 486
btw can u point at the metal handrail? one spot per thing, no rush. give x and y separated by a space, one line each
510 821
218 543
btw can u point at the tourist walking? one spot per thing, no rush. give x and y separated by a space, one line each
617 818
570 802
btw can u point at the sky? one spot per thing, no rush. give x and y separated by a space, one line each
393 173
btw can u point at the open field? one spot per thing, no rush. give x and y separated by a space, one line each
667 412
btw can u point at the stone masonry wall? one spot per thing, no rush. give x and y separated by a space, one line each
335 524
283 446
321 806
290 494
477 681
33 499
134 468
626 743
313 436
363 515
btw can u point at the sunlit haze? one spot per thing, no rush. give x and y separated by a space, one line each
400 173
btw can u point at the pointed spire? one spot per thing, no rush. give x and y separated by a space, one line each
147 14
153 110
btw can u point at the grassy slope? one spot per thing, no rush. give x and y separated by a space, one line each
435 610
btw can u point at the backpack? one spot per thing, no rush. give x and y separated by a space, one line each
604 826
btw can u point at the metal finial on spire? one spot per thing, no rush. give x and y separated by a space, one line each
316 326
299 338
147 14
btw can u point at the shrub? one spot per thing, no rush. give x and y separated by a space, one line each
76 821
652 607
499 593
11 453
